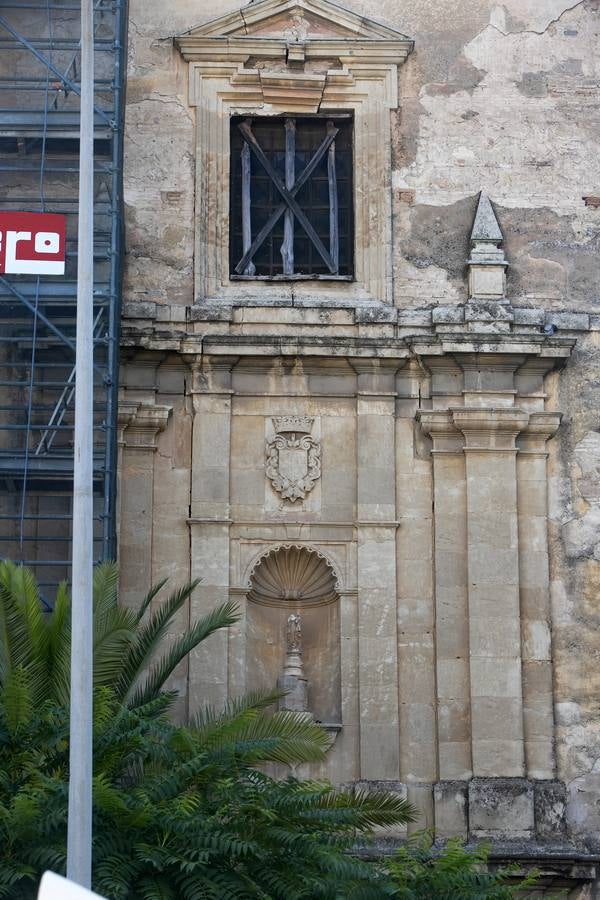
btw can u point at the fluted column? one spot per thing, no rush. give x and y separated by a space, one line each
493 588
535 594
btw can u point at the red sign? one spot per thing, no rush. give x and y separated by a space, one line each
32 243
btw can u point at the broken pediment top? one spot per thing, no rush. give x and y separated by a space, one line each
309 20
485 226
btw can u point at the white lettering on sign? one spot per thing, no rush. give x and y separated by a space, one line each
32 243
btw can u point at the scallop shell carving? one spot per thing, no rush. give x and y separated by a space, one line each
295 575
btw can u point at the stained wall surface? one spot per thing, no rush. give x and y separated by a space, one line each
461 519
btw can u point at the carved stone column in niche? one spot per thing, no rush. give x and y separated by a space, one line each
140 424
209 521
532 490
493 586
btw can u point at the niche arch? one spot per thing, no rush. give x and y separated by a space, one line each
286 579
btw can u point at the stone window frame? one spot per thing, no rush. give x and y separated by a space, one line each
236 69
302 251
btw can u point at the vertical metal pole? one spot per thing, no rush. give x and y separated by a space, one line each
79 839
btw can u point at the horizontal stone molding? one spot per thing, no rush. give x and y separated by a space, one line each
488 430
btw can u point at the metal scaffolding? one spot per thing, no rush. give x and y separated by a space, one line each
39 144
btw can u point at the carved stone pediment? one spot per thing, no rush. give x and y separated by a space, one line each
268 28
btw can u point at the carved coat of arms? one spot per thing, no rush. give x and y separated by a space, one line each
293 457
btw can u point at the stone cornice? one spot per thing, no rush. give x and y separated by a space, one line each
376 347
488 429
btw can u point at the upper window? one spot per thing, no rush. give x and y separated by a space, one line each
291 214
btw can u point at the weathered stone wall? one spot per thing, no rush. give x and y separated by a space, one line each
495 97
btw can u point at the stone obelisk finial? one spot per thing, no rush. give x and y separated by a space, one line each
487 262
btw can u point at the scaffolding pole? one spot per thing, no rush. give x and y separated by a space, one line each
79 837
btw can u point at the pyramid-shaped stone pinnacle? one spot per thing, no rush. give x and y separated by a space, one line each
485 226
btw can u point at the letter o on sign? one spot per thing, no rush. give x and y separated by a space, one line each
47 242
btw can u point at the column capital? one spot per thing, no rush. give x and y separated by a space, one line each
376 377
212 374
440 426
126 411
541 427
489 429
143 425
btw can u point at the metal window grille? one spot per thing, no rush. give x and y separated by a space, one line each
291 210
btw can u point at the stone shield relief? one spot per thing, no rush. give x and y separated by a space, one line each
293 457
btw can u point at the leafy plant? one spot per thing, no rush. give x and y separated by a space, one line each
35 649
455 873
179 812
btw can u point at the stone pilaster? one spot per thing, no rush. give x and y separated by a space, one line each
209 522
415 603
451 596
376 528
125 415
535 594
493 586
348 744
140 424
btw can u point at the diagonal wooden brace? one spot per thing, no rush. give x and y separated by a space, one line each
288 198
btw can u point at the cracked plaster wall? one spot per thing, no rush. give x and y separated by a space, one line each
496 96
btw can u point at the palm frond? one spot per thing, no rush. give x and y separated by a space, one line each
285 737
209 717
146 640
16 648
378 808
154 590
16 699
218 618
24 639
105 587
59 644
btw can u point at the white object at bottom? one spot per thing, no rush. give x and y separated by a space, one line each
54 887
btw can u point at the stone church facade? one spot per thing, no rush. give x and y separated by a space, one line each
392 437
